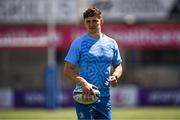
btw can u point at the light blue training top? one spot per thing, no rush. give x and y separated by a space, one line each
94 59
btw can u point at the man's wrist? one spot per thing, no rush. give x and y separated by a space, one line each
115 76
82 81
112 77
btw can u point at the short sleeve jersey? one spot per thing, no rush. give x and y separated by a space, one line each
94 59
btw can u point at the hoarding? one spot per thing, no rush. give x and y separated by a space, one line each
159 96
146 36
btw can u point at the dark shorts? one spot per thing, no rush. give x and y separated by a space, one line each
100 110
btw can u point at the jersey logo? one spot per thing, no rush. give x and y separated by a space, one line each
81 115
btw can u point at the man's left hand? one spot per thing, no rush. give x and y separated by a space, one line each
113 81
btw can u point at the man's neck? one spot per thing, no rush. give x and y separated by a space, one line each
96 36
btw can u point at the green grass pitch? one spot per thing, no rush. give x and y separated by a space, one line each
121 113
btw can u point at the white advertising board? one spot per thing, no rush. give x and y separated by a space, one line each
6 98
124 96
38 11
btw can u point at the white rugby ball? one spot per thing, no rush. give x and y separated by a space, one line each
77 96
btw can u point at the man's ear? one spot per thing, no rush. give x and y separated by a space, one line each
102 21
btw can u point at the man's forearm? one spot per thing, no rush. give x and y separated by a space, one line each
117 71
69 72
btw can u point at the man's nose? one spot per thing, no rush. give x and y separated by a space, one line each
91 24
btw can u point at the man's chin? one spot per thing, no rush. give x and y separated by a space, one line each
93 31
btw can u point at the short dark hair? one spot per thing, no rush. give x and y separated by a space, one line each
91 12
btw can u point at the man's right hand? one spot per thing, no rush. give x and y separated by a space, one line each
88 91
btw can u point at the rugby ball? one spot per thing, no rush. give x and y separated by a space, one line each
77 96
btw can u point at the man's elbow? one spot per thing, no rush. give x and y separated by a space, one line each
65 72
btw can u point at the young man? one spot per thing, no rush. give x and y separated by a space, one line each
99 64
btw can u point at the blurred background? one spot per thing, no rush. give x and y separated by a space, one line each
35 36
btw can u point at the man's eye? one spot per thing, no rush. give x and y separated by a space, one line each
95 21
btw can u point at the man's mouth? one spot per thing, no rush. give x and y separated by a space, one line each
91 28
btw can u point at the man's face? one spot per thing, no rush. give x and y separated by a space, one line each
93 24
